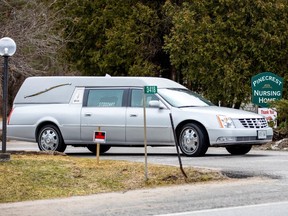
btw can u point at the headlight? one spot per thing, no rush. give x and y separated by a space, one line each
225 122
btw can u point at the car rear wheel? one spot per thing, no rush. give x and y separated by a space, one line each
50 139
192 140
239 149
103 148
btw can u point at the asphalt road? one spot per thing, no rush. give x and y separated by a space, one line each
261 187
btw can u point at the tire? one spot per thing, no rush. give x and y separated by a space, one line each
50 139
239 149
103 148
192 140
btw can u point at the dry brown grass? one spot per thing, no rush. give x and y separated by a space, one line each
38 176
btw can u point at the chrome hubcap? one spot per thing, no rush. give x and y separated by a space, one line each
189 140
49 140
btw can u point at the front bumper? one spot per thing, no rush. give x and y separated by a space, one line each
236 136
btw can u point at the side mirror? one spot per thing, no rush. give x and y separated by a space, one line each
156 104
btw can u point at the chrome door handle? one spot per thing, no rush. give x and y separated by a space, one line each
88 114
133 115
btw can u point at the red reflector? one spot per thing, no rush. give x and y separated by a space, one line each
99 135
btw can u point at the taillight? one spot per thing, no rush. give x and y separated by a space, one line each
9 116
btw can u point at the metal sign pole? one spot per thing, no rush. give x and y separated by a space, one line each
146 90
5 104
145 135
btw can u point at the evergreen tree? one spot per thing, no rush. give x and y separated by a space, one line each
218 45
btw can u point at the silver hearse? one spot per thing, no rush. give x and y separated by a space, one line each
60 111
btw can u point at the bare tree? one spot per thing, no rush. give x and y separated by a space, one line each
33 25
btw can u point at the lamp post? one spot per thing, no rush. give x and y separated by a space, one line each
7 49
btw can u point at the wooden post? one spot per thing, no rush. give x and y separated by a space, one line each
98 149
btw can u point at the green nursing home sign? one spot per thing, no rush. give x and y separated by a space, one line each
266 87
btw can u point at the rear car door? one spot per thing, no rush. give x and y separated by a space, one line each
104 108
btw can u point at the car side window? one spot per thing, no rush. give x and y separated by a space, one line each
137 98
105 97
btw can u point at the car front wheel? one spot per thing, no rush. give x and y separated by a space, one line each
192 140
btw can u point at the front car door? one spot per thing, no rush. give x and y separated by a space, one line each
104 108
159 130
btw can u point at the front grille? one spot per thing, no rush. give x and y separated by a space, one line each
251 138
254 123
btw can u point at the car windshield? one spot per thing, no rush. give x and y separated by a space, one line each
183 98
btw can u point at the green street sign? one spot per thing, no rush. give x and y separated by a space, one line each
150 89
266 87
